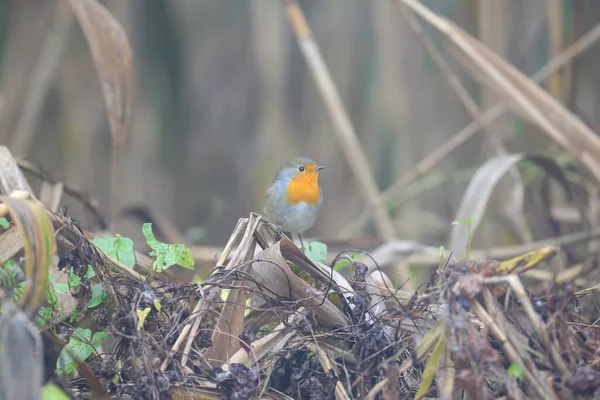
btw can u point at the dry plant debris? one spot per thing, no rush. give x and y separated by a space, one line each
270 323
91 315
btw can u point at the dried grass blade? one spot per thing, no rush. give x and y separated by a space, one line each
357 161
113 58
274 274
51 195
271 343
327 365
446 376
539 385
11 243
11 177
565 126
526 261
572 134
195 318
574 50
37 232
431 367
480 190
231 319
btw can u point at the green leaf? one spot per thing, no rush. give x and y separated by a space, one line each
431 368
74 281
9 272
142 314
98 296
81 345
53 392
4 223
516 370
61 288
51 297
156 303
118 247
10 263
317 252
224 294
73 317
344 263
18 292
90 272
465 221
43 315
167 255
98 338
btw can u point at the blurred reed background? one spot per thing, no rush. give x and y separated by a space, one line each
223 96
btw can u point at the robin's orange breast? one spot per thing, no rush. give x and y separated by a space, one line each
304 188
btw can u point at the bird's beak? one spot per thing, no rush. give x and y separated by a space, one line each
320 167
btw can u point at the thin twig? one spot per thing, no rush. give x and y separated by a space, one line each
516 210
184 332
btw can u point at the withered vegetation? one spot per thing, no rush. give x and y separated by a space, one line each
270 323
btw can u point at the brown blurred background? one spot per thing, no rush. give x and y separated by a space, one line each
223 97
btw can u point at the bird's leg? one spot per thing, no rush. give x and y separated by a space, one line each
301 244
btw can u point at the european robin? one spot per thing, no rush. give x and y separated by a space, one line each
295 197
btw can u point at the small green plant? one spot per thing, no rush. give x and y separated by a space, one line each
81 345
9 272
50 391
516 370
167 255
344 263
4 223
441 263
118 247
98 296
468 222
317 252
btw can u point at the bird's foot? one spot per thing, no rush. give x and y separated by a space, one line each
302 244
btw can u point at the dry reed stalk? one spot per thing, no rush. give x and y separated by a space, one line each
456 140
344 130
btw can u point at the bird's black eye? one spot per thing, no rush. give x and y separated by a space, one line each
301 168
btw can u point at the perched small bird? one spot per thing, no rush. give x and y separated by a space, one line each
295 197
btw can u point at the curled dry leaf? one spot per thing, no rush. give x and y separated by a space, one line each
274 274
328 276
113 58
480 190
379 287
37 233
